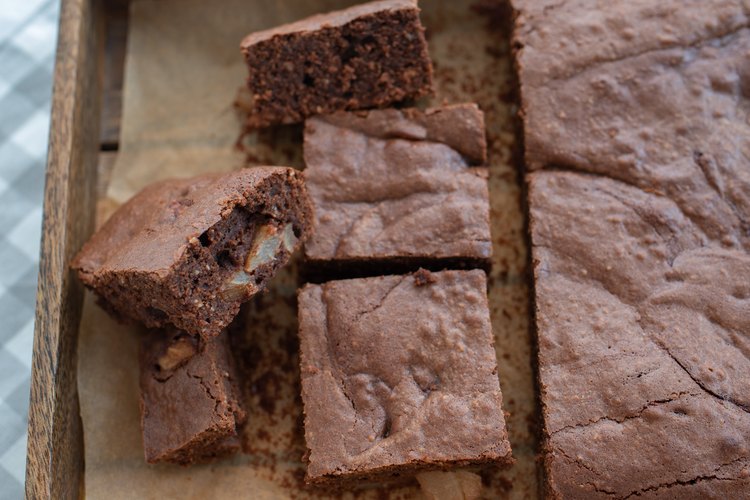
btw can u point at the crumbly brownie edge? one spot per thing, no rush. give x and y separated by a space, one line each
367 62
199 306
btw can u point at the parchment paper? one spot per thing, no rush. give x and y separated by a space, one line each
183 72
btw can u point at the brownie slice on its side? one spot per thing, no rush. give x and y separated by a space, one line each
188 252
190 408
394 190
369 55
399 376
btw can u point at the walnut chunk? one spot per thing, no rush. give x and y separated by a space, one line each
265 246
238 287
177 353
453 485
268 242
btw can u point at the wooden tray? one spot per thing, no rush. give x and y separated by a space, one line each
84 128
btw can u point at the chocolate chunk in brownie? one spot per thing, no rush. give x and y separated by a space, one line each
642 256
399 375
370 55
188 252
397 189
190 408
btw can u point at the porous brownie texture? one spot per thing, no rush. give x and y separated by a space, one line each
190 404
636 133
399 375
398 186
188 252
370 55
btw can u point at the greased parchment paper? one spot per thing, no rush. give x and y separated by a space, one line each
183 72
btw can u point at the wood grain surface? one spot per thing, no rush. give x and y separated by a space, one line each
55 446
115 45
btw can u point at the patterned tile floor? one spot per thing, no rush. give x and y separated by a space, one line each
28 36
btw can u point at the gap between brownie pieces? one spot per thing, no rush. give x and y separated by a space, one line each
320 271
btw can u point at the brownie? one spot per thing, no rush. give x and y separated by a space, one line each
399 375
369 55
669 120
188 252
190 404
396 189
643 364
636 135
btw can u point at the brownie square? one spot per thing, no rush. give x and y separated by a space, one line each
190 403
664 113
369 55
399 375
188 252
398 189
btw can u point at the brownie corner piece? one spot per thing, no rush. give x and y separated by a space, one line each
399 186
190 402
399 375
188 252
369 55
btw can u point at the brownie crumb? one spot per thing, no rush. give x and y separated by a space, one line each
423 277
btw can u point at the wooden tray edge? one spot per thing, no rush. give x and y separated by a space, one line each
55 463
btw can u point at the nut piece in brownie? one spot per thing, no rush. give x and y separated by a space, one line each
369 55
398 188
188 252
399 375
190 408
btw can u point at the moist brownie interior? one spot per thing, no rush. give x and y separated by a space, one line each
371 60
222 268
189 252
234 259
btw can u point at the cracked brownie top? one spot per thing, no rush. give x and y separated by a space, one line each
395 184
399 373
642 343
637 134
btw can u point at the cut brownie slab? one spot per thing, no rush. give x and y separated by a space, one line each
671 119
370 55
399 375
643 355
190 408
397 188
188 252
642 256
